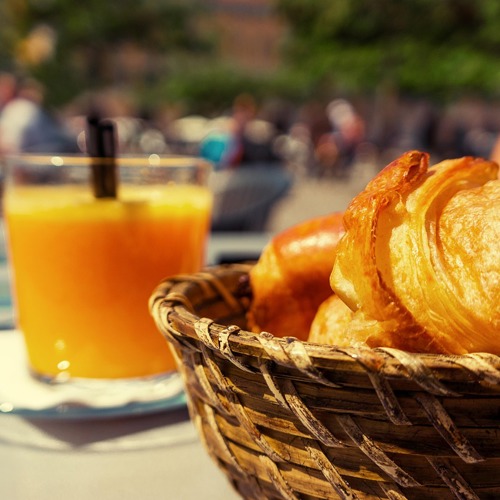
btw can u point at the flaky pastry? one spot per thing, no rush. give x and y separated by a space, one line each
419 264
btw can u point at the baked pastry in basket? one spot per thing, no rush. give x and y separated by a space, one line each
331 322
419 265
291 278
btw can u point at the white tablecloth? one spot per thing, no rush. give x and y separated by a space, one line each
138 458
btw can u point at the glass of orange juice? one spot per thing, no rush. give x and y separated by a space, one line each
83 268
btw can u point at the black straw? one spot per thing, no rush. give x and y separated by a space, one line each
101 147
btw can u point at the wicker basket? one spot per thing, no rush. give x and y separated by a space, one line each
286 419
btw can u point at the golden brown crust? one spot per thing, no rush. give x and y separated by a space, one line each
291 278
331 322
419 263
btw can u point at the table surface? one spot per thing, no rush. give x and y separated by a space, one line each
147 457
150 456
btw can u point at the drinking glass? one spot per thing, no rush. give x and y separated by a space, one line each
83 266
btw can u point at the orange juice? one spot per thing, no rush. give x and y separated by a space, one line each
84 269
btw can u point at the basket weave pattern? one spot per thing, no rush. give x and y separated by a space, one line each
286 419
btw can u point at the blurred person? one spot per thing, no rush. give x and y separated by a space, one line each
313 115
326 155
7 88
244 110
348 130
242 138
219 144
296 149
26 126
458 119
417 126
258 143
7 93
335 149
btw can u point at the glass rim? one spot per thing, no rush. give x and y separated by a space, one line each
126 160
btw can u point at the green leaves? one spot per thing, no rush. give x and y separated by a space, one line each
422 46
100 43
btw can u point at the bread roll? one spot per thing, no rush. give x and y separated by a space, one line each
331 322
291 278
419 264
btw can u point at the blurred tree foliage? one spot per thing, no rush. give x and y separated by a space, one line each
211 88
73 46
437 48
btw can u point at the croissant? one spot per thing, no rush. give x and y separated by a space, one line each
291 278
419 265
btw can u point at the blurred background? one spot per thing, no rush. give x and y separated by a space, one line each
314 96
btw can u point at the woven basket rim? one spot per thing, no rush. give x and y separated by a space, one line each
281 416
173 310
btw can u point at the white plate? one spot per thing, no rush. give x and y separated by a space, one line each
22 394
